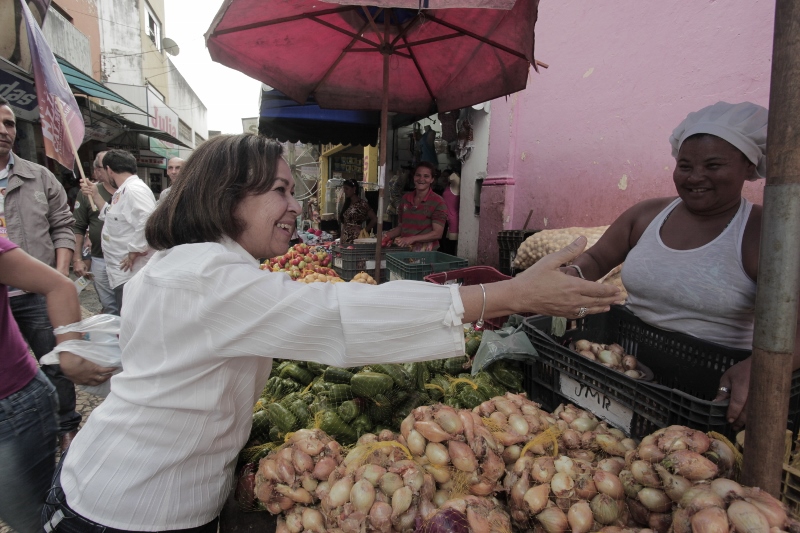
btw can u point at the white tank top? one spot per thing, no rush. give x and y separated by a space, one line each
704 292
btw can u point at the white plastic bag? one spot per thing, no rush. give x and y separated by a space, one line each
100 345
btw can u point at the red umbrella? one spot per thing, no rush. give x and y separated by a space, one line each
416 61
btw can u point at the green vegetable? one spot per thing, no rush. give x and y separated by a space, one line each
281 417
420 375
337 375
472 344
454 365
348 410
370 384
295 372
316 368
507 378
319 386
398 374
436 366
299 409
361 424
330 423
260 427
339 393
380 409
274 434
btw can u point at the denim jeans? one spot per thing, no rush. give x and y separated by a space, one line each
104 291
28 439
57 516
30 312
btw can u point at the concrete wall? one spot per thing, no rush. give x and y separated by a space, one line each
155 63
469 224
183 100
120 42
84 18
589 136
67 41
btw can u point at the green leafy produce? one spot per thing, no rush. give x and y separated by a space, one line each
370 384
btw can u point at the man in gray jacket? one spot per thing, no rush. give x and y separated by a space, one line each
34 215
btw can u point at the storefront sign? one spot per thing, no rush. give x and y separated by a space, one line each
150 161
165 119
598 403
21 94
250 125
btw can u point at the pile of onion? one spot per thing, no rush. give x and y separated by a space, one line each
513 421
378 487
612 356
583 436
455 448
292 474
467 514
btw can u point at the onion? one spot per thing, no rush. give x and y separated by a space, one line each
584 423
537 498
511 453
308 482
722 455
285 470
362 496
596 348
553 520
518 424
437 453
611 445
448 419
571 439
655 500
432 431
407 425
543 469
323 468
746 517
608 484
401 501
582 455
446 521
298 495
616 348
389 483
681 523
462 456
588 354
690 465
611 464
582 344
772 509
585 488
605 509
644 474
650 453
659 522
562 485
629 362
700 497
710 520
416 442
340 492
614 432
380 517
439 497
610 358
727 489
674 486
440 474
302 461
634 374
294 522
580 517
312 520
564 465
629 484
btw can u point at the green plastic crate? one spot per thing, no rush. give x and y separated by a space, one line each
417 265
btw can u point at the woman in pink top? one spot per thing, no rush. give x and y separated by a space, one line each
28 401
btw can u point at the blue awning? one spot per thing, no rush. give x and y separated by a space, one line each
83 84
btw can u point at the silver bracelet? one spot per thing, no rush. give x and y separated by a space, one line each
578 269
479 323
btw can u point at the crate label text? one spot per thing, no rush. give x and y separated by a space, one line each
598 403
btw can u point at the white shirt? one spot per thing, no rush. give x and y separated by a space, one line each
201 324
123 229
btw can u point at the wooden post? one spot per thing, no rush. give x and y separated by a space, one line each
382 144
74 148
779 263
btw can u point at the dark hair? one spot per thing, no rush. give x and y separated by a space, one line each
427 165
346 205
120 161
214 180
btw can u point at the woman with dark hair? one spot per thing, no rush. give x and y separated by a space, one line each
422 213
355 211
203 324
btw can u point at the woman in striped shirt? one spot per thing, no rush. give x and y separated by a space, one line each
422 213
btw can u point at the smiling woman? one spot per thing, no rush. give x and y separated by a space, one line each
691 262
201 323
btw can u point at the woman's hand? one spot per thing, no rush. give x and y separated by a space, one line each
737 380
544 288
82 371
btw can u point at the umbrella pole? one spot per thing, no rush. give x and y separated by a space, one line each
382 146
779 263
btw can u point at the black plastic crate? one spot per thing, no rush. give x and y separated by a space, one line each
508 243
417 265
347 261
686 369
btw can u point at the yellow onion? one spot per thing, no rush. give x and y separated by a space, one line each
710 520
608 484
543 469
629 484
389 483
690 465
639 513
371 473
747 518
700 497
312 520
727 489
650 453
610 358
581 455
462 456
562 485
772 509
584 423
432 431
629 362
340 492
611 464
437 453
518 424
644 474
659 522
362 496
611 445
655 500
674 486
681 521
582 344
537 498
585 488
416 442
616 348
571 439
605 509
440 474
553 520
448 419
439 497
580 517
722 455
401 501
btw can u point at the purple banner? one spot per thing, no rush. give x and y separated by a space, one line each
62 122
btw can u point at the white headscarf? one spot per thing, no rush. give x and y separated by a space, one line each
743 125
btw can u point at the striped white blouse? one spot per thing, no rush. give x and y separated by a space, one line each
201 324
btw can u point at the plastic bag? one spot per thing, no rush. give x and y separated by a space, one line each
100 345
508 342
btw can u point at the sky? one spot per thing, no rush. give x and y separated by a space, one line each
228 94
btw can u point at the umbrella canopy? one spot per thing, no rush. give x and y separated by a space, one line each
439 60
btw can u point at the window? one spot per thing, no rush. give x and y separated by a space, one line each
198 140
184 131
152 27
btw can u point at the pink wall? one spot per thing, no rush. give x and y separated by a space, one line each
589 136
